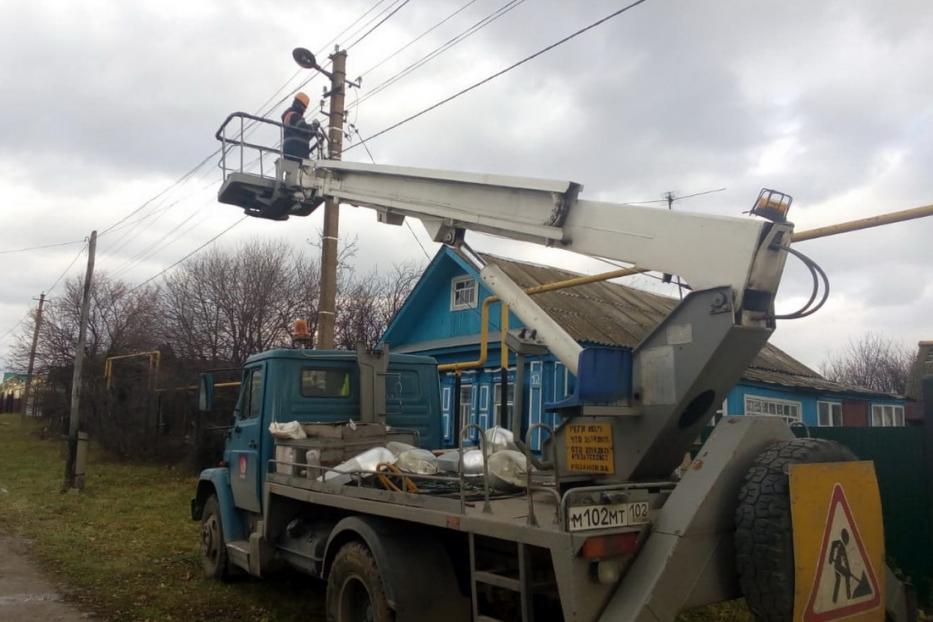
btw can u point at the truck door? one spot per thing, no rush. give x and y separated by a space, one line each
243 451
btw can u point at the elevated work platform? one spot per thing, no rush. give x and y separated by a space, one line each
264 197
249 182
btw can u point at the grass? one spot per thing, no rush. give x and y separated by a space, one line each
126 548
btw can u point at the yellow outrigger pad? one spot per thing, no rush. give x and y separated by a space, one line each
838 542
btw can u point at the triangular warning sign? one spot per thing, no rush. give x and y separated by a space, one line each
845 582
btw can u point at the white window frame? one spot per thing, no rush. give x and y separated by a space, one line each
460 306
497 402
777 402
832 422
880 419
445 410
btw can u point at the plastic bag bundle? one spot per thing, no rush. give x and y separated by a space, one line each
366 461
397 447
449 462
507 470
287 431
419 461
499 438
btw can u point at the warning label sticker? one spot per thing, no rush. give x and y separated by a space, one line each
838 542
589 448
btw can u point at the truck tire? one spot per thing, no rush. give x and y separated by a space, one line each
764 541
354 587
213 550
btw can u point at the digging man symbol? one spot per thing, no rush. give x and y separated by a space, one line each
839 560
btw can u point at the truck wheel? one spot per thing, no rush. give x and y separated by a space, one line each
213 549
354 588
764 540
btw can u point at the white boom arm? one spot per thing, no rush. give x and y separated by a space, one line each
707 251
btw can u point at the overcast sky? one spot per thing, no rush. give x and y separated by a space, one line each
105 104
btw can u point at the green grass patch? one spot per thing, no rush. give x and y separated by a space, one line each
126 548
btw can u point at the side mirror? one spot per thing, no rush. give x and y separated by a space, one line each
206 393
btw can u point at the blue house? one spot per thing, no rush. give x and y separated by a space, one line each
441 318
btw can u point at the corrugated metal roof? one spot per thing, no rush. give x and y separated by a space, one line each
609 313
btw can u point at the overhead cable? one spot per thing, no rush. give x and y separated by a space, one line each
444 47
498 73
380 23
36 248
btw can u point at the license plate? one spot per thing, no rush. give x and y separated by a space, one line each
606 516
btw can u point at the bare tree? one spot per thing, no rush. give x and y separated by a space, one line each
226 305
366 304
874 362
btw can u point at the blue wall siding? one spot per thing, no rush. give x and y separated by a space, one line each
545 382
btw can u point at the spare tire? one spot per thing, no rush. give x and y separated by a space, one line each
764 542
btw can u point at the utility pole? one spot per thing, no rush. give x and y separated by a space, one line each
32 351
327 309
74 467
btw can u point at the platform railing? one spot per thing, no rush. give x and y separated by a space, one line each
239 144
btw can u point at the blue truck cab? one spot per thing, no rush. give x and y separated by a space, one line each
284 385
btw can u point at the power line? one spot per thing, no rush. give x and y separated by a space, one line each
419 37
499 73
460 37
670 197
49 289
380 23
351 25
36 248
191 254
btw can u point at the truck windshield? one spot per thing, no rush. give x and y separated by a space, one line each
325 382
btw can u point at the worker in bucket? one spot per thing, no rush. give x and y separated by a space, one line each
298 133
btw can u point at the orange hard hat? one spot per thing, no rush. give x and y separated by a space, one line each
304 99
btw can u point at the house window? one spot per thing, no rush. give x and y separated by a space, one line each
887 415
755 405
829 414
510 399
462 293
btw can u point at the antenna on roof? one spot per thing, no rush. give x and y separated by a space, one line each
669 197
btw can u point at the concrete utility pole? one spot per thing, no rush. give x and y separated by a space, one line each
32 351
74 467
327 308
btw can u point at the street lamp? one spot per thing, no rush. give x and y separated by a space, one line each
305 58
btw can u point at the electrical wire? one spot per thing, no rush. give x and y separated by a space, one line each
444 47
351 25
419 37
36 248
47 290
380 23
189 255
499 73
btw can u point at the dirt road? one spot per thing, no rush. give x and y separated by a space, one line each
25 594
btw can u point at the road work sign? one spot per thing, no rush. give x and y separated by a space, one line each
838 542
